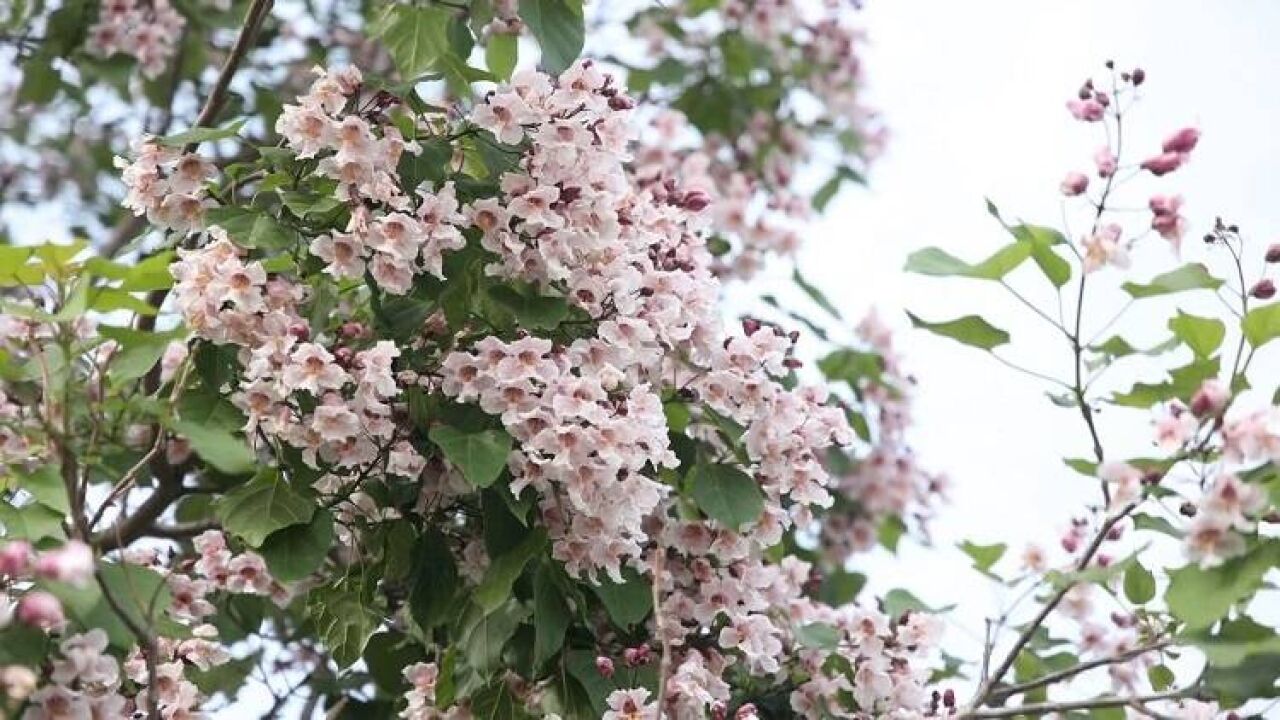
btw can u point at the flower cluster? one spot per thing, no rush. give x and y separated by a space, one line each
1105 243
72 563
166 185
387 235
147 30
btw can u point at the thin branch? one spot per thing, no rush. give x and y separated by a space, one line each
1074 670
1040 709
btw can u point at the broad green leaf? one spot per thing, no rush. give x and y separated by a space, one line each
500 54
1202 335
1139 584
23 645
1192 276
532 311
294 552
495 588
984 556
416 37
485 634
1199 596
726 494
551 615
627 602
970 330
387 654
481 455
898 601
1160 677
141 593
262 506
495 701
939 263
818 635
139 351
221 448
46 485
434 585
31 522
203 134
1235 641
559 28
840 587
1261 325
344 622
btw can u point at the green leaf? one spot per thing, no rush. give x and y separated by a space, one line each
1139 584
627 602
818 635
23 645
387 654
840 587
435 581
852 366
1192 276
1261 325
262 506
970 330
481 455
1160 677
139 351
937 262
815 294
532 311
203 134
1202 335
31 522
416 37
141 594
495 588
1042 239
898 601
226 451
294 552
485 634
1235 642
495 701
726 494
559 28
1199 597
46 485
551 615
984 556
344 621
500 54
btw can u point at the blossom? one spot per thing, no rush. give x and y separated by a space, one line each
1105 247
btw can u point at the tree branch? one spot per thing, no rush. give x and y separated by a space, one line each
1040 709
1051 678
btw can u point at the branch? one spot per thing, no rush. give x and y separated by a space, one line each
145 641
253 19
985 690
1040 709
1070 672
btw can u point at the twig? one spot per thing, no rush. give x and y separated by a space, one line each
664 659
1074 670
1040 709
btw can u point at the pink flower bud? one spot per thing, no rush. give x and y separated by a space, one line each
1211 399
1070 543
72 563
636 656
1086 110
1273 254
1183 141
1106 162
40 609
1074 184
15 558
1264 289
696 200
1163 163
604 666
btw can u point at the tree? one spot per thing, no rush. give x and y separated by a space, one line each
408 378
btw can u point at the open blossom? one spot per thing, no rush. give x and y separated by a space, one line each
1089 110
1105 247
630 705
1174 427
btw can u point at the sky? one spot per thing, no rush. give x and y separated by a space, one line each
974 94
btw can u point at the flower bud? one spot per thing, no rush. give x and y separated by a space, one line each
1183 141
40 609
17 682
72 563
1273 254
301 331
604 666
15 558
1264 289
636 656
696 200
1163 163
1211 399
1086 110
1074 184
1139 76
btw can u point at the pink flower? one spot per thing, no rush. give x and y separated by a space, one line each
1165 218
72 563
1163 163
630 705
40 609
1086 110
1175 427
1182 141
1211 399
1105 248
1106 162
1074 184
15 558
